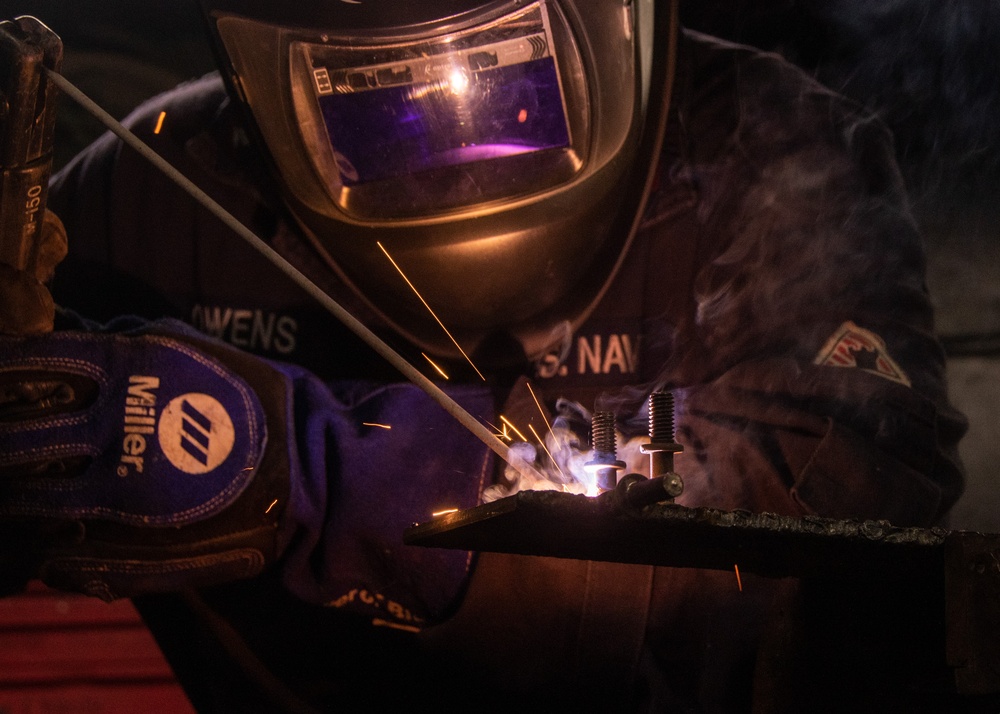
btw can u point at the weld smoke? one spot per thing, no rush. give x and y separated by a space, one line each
569 448
926 67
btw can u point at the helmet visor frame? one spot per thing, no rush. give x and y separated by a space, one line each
417 125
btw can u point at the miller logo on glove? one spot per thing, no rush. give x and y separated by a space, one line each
145 457
133 461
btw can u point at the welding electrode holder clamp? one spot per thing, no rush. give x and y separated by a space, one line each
138 458
32 239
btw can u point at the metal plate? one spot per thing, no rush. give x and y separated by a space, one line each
550 523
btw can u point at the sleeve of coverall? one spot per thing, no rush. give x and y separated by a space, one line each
354 488
820 383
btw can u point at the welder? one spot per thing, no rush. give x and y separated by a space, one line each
578 192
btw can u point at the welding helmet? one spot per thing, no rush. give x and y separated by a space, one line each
493 153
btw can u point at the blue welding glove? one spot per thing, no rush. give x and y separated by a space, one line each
147 458
131 457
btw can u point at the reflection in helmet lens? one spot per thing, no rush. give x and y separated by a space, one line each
484 95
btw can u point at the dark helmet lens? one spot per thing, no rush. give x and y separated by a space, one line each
436 123
388 122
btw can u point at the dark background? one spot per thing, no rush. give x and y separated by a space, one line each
928 68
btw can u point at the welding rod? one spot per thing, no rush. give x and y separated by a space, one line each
335 308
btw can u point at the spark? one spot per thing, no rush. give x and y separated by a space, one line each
433 314
739 581
435 366
501 432
540 410
379 622
273 504
508 422
159 122
522 116
373 423
444 512
541 443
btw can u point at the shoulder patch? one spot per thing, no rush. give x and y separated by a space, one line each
853 346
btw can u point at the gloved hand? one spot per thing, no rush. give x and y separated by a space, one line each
25 303
137 460
146 457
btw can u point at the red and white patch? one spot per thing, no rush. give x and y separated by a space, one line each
853 346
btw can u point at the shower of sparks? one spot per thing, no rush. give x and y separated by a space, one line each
517 431
435 366
433 314
372 423
444 512
739 581
159 122
474 425
273 504
541 443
